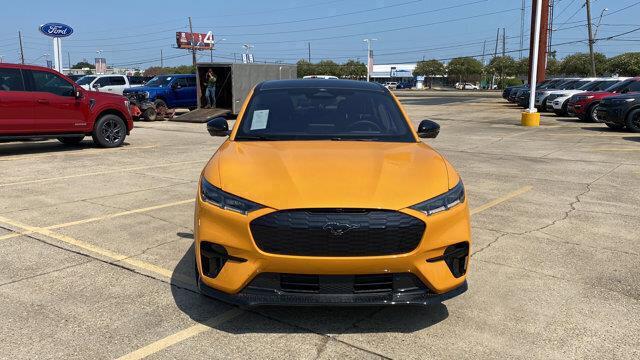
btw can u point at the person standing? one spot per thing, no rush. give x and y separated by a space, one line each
210 93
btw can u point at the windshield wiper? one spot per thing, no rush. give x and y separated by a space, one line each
256 138
354 139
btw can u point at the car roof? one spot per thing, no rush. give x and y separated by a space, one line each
319 83
23 66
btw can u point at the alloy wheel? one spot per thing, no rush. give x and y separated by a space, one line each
112 131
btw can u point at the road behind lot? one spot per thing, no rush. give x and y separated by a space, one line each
97 258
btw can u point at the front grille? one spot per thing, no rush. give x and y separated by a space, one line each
336 284
337 232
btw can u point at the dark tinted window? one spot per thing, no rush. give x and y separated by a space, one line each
182 82
323 114
49 82
117 80
136 80
604 85
634 86
191 81
11 80
620 86
103 81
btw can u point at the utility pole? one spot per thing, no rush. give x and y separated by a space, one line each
522 27
309 48
552 5
591 41
193 45
161 59
21 50
484 47
369 58
541 46
495 52
504 42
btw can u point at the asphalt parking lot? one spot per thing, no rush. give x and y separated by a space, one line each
97 258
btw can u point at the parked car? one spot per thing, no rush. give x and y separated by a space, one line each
165 92
542 94
522 96
466 86
620 111
584 105
391 85
558 101
38 102
405 85
310 232
320 77
115 84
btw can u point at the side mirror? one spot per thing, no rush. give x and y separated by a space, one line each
428 129
176 86
78 94
218 127
96 86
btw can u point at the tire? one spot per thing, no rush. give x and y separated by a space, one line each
614 126
109 131
161 108
565 108
149 114
633 121
591 115
71 141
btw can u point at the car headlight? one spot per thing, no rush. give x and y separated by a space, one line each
224 200
621 101
584 97
442 202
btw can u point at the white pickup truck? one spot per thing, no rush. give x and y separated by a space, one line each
114 84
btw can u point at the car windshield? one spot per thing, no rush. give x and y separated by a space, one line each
160 81
621 85
323 114
85 80
550 84
576 84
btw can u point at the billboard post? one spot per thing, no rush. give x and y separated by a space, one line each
56 31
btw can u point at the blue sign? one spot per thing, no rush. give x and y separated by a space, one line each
56 30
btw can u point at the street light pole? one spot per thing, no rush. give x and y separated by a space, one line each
369 57
534 62
591 41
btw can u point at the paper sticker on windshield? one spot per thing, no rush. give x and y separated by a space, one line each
259 120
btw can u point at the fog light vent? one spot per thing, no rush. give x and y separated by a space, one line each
455 256
212 257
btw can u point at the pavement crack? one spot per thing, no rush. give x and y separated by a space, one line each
46 273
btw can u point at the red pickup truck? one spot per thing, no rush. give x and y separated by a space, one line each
37 102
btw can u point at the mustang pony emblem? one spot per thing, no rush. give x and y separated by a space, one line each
337 229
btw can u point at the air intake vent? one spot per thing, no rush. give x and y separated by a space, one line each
300 283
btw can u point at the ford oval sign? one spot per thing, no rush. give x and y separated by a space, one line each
56 30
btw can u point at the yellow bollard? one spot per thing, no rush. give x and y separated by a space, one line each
530 119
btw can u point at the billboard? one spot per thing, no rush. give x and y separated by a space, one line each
199 41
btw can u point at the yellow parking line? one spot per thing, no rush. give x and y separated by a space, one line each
500 200
99 218
76 153
101 173
182 335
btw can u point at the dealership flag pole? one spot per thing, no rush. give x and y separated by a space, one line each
531 117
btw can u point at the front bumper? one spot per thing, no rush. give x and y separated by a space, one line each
256 297
246 261
611 114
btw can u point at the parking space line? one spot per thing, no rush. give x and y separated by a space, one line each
99 218
616 149
76 153
502 199
182 335
102 173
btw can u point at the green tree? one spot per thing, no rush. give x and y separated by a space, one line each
580 64
464 68
354 69
553 67
305 68
328 67
522 67
627 64
429 69
503 66
82 65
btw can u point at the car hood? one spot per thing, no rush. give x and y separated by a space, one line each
322 174
565 92
105 95
634 96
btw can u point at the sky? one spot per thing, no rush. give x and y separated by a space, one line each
132 33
